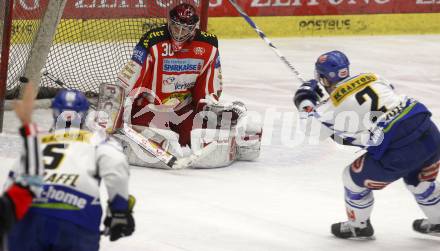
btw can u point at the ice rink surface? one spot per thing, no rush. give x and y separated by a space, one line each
289 197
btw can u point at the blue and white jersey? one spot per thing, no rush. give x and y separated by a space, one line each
75 162
363 110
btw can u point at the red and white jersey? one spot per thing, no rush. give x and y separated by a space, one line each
160 76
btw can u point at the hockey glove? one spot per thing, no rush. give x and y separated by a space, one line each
236 110
307 96
32 183
21 199
119 223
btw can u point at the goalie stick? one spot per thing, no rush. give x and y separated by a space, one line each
163 155
150 146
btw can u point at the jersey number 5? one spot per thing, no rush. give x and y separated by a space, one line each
57 157
368 91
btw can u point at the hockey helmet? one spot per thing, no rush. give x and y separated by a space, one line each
182 23
70 108
331 68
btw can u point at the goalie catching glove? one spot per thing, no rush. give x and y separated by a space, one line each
308 96
237 109
120 223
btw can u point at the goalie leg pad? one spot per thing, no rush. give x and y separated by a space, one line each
109 109
248 139
225 152
138 156
169 140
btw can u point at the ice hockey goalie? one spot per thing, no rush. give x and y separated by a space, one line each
171 90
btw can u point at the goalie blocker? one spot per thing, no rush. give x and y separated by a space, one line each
226 125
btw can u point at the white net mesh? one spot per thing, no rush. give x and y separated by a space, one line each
93 40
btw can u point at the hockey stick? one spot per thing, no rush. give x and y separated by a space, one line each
60 83
54 79
280 55
163 155
267 40
271 45
150 146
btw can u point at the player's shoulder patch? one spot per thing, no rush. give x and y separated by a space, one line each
149 39
155 36
206 37
351 86
140 54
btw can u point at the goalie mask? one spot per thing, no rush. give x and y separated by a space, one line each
182 23
70 109
331 68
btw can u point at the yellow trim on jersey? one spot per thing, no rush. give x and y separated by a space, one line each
350 87
79 136
62 206
153 34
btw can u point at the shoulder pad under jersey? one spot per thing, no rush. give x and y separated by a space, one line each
155 36
206 37
63 135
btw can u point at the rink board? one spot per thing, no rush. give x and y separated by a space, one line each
374 24
92 30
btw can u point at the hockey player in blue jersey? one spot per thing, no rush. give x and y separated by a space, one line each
400 141
67 215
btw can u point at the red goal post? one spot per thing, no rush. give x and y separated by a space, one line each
92 42
5 35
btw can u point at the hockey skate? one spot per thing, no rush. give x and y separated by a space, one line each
424 227
345 230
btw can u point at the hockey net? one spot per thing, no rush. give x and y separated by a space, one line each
93 40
